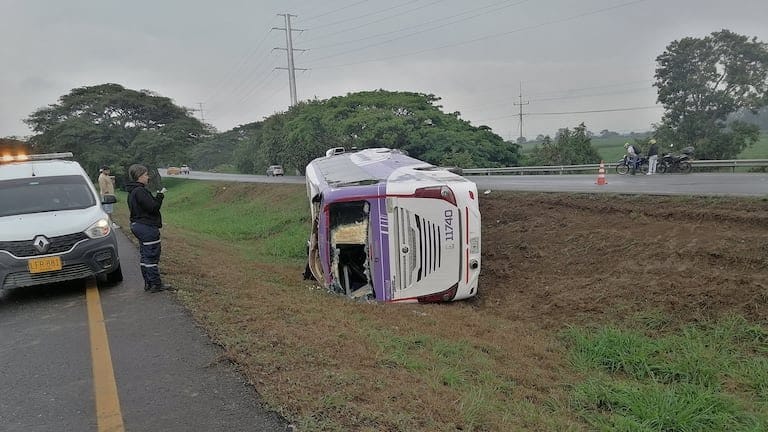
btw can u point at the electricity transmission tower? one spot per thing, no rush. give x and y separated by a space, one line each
289 50
521 110
202 115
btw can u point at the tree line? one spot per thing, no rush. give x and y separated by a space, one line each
712 88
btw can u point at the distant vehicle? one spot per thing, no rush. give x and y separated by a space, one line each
275 170
172 170
184 169
391 228
52 224
335 151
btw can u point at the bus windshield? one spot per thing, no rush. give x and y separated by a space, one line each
349 238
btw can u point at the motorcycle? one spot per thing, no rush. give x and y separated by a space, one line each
674 163
625 165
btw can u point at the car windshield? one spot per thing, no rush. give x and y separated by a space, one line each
44 194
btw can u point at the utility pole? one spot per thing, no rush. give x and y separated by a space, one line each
289 50
202 116
521 109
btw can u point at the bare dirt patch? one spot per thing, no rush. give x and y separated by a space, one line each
549 260
557 259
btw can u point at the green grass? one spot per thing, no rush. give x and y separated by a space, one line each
252 224
706 377
459 365
758 151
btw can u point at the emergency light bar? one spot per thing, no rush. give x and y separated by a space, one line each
34 157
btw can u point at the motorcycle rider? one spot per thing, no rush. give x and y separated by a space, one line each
653 157
633 153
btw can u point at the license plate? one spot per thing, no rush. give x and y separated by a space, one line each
40 265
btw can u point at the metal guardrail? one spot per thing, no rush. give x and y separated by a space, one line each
564 169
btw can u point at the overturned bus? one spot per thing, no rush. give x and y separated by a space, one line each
391 228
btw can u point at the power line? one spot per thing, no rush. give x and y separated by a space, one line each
415 33
421 25
632 90
233 71
505 100
491 36
579 112
336 10
367 24
367 14
265 82
597 111
561 91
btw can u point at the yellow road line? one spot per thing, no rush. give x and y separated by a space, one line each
108 415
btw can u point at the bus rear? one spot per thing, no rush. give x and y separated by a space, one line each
434 226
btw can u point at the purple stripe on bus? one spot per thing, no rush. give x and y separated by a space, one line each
380 250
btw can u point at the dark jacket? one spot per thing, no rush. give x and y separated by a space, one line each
144 207
653 150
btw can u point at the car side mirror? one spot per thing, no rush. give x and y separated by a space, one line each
108 199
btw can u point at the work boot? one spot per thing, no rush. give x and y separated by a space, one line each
160 287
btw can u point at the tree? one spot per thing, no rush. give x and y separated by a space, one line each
108 124
570 148
701 82
401 120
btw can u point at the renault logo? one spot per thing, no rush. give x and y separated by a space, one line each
41 244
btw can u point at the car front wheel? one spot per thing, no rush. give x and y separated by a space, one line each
115 275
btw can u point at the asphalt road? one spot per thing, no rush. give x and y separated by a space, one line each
699 184
168 375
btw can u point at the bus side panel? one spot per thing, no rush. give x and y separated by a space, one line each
378 247
323 242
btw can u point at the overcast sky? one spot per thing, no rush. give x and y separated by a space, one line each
586 60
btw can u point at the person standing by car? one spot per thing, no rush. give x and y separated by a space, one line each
107 187
653 157
146 222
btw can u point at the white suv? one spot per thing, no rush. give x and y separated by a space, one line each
52 225
275 170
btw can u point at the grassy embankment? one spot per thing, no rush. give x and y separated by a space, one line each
328 364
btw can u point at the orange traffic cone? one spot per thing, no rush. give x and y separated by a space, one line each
601 175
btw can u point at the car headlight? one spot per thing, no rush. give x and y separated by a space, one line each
99 229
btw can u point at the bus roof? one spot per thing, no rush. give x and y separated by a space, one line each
374 165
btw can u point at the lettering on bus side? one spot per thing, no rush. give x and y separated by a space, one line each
448 218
